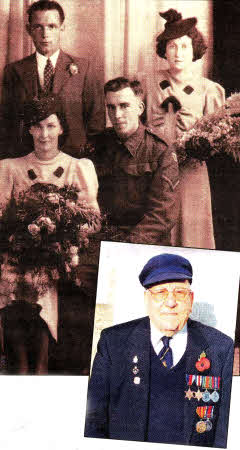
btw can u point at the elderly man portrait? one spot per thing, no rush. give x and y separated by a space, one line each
137 171
48 70
162 378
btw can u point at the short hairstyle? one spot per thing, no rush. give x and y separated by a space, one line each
117 84
198 44
45 5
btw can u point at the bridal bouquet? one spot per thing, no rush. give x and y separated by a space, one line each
215 133
43 233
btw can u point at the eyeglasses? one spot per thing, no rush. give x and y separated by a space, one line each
161 295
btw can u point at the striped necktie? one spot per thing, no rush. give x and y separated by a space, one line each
165 355
48 76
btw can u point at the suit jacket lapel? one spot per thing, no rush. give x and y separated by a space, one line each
195 346
29 75
62 72
138 373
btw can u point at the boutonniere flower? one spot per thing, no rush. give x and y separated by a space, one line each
73 69
203 363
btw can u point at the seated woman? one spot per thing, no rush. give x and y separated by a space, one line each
31 325
178 97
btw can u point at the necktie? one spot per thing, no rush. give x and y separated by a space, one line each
48 76
165 354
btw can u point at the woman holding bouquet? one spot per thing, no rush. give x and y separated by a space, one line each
176 99
45 246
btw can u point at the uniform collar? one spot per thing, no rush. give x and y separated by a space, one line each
132 143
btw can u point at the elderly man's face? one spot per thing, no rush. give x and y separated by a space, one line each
169 305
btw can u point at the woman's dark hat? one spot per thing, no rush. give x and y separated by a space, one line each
164 268
40 109
175 27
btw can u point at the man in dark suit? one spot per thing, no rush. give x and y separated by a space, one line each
162 378
50 70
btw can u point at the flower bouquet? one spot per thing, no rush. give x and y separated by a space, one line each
43 233
213 134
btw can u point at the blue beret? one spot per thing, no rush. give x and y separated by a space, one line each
165 267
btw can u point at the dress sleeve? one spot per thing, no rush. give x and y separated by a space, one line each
215 97
85 179
6 181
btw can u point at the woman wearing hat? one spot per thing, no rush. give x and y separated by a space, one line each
30 326
176 99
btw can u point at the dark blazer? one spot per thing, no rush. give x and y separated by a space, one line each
118 408
81 94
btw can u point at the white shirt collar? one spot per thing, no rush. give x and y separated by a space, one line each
178 343
41 63
42 60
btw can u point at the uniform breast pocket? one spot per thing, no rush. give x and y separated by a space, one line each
139 181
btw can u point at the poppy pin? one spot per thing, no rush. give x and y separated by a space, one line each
203 362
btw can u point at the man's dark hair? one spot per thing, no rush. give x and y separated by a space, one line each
45 5
117 84
198 44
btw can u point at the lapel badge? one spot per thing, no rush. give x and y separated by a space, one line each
135 359
203 363
135 370
136 380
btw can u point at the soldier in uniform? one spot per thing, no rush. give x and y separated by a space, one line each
137 171
162 378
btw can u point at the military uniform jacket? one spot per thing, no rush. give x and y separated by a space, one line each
77 87
118 408
138 181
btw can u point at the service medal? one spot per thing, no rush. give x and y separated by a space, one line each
189 394
206 396
201 426
216 384
208 425
198 394
135 359
214 396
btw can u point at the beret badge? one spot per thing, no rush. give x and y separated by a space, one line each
73 69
